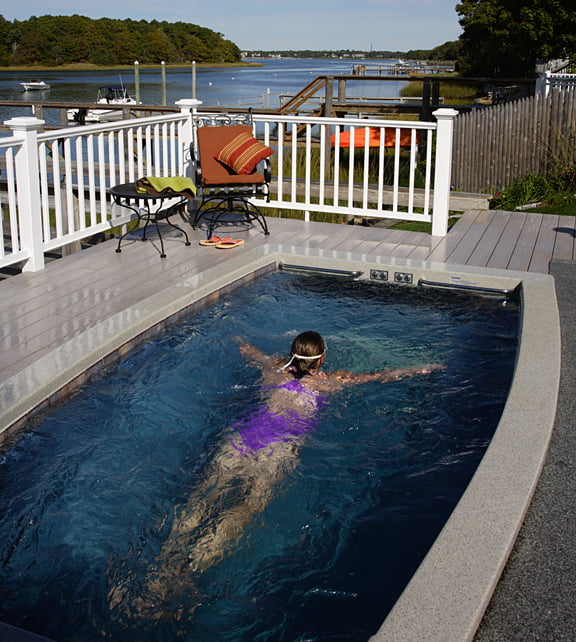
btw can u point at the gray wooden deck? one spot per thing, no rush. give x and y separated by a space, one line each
82 299
39 311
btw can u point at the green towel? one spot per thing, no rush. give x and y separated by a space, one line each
166 185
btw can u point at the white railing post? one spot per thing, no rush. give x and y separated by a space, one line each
28 190
543 83
188 107
443 170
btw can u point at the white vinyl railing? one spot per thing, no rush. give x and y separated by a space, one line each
56 183
314 173
549 80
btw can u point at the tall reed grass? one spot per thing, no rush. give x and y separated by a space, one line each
457 93
300 166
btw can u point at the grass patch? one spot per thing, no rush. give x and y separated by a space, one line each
455 93
420 226
412 226
317 217
567 207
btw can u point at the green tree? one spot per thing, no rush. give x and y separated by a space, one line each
124 49
32 48
226 51
5 41
71 49
448 51
506 38
57 40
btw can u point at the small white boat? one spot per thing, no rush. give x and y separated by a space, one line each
35 85
109 95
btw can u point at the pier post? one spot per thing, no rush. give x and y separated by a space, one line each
193 80
341 90
425 110
329 97
435 93
542 87
137 80
28 190
442 170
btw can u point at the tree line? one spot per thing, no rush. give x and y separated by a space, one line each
447 51
63 40
501 38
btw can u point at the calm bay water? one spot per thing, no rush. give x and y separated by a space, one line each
258 86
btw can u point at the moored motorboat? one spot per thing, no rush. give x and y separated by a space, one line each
35 85
111 95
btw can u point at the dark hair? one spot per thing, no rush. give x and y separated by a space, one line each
306 344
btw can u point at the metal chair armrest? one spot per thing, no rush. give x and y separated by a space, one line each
267 170
195 161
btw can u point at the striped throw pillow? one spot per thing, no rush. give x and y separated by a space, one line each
243 153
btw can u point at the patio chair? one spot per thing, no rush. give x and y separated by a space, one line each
225 157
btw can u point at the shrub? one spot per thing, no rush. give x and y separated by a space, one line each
551 189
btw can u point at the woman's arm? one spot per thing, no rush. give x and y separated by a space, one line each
383 375
250 353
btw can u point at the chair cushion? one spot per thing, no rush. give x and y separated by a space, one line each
243 153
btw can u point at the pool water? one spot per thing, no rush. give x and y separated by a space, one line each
87 495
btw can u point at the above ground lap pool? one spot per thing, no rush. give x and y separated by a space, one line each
90 493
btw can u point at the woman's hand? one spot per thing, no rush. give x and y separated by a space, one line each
430 368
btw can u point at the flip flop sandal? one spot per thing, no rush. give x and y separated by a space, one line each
213 240
228 243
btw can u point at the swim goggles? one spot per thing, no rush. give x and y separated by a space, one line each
300 356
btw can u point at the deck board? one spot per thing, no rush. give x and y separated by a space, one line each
565 234
445 246
469 241
507 242
544 247
483 251
41 310
524 248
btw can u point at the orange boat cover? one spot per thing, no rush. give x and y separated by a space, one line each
374 137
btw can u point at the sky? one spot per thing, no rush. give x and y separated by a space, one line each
389 25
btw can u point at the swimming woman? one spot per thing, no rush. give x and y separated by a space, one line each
241 480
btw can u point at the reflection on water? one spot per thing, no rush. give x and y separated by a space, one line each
259 86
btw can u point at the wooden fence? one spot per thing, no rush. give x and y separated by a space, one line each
496 145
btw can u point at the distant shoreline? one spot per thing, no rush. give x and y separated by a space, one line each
90 67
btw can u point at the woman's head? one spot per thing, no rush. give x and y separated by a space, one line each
306 353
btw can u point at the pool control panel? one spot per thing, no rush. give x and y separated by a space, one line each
402 277
399 277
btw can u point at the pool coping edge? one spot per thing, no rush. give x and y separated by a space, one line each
448 595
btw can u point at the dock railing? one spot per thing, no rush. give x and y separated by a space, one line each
55 191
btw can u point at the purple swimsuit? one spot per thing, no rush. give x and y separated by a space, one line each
266 427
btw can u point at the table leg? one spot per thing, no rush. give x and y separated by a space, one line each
147 216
